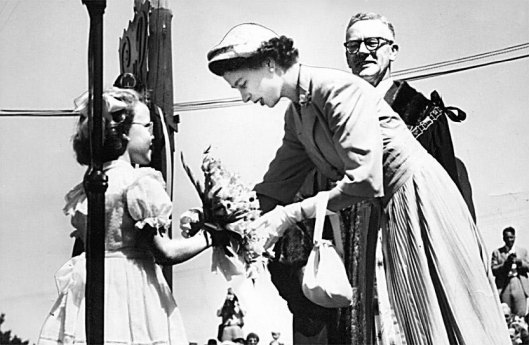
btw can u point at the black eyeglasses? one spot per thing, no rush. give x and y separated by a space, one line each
371 43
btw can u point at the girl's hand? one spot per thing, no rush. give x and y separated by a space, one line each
191 221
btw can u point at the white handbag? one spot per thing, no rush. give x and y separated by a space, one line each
325 280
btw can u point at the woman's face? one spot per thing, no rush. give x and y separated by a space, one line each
140 135
261 85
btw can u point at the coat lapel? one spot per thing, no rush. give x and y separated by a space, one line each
311 132
308 114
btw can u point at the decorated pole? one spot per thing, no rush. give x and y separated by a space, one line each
145 53
160 82
95 181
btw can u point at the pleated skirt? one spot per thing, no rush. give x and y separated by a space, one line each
437 268
139 307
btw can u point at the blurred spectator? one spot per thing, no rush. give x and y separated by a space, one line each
232 322
518 331
252 339
241 341
275 337
510 265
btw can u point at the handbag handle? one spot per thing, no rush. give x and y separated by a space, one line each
322 198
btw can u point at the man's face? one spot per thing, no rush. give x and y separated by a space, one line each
509 238
371 65
252 341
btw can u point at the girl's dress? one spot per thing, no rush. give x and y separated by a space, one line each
139 306
438 274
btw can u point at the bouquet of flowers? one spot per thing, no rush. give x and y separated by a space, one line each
230 205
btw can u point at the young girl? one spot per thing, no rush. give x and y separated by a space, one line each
139 307
437 268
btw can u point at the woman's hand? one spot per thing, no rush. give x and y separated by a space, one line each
277 221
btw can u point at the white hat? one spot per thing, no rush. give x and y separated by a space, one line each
242 40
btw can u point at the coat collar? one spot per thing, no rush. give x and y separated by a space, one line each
304 87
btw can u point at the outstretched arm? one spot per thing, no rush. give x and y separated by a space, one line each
174 251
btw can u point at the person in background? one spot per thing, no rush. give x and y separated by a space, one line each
336 123
510 266
275 338
252 339
139 305
232 321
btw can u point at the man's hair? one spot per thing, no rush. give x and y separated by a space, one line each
370 16
509 229
252 335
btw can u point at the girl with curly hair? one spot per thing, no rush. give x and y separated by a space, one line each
139 306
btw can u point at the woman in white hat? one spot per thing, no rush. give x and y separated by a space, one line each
437 267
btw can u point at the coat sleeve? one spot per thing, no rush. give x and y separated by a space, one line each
288 169
351 112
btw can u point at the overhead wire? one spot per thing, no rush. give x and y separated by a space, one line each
462 60
404 74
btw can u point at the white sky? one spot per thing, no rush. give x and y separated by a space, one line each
43 65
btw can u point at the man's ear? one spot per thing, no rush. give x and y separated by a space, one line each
394 52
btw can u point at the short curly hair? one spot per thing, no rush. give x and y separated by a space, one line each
280 49
116 129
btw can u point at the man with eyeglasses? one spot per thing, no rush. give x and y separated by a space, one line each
370 49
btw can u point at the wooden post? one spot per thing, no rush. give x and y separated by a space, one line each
160 84
95 181
145 51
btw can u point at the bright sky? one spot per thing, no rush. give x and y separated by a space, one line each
43 65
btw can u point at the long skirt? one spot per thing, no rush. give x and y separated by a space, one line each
437 269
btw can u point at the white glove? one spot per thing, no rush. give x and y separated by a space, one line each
277 221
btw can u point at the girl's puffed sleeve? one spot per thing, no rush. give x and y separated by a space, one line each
77 208
351 111
147 201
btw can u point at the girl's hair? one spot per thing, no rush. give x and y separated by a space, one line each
116 128
280 49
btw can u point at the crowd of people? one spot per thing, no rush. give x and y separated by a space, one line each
250 339
378 149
